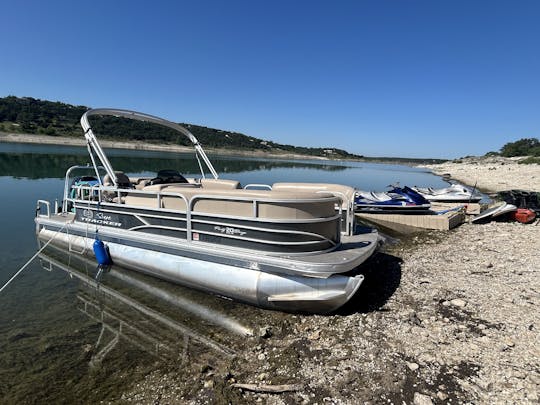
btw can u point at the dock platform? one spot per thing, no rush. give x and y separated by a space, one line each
409 223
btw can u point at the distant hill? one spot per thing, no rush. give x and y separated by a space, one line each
28 115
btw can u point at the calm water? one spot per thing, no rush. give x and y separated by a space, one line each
63 340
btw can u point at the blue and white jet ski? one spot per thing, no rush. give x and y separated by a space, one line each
398 199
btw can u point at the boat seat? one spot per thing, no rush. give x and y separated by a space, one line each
382 196
239 202
346 193
221 184
139 182
121 178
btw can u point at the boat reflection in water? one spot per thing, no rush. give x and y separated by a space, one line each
164 320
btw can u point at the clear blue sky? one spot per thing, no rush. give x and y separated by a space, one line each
380 78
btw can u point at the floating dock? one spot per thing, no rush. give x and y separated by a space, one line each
409 223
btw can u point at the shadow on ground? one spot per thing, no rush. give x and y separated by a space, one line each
382 274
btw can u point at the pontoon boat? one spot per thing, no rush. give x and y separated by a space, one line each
289 246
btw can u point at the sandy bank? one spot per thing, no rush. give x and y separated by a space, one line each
492 174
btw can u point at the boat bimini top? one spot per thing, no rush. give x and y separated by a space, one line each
94 146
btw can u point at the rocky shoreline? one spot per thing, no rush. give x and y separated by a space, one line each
443 317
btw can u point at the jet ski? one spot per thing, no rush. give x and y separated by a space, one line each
452 193
398 199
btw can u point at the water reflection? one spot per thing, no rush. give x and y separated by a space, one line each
152 315
101 335
46 161
49 162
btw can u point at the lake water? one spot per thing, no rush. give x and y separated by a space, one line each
66 339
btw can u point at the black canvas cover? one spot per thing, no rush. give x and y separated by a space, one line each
522 199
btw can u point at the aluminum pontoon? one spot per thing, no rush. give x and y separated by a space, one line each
289 246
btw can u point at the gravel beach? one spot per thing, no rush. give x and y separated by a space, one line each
443 317
492 173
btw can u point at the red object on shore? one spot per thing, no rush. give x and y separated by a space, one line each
523 215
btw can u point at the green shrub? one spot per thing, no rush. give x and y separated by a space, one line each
530 160
523 147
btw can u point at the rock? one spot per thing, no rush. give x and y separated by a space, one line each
265 332
532 396
87 348
422 399
18 335
315 335
413 366
442 396
509 342
458 302
209 384
485 339
413 318
426 358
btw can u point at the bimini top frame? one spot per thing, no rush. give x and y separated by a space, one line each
95 147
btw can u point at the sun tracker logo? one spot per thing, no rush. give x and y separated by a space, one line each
99 218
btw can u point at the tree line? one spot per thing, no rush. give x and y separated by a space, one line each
27 115
523 147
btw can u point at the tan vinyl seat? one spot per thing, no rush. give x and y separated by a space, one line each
346 193
220 184
239 202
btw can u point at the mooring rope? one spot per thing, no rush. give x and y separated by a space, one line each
32 258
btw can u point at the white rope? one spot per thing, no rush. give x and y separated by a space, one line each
32 258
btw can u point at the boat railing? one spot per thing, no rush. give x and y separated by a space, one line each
347 215
47 205
105 195
256 202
